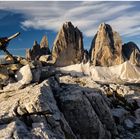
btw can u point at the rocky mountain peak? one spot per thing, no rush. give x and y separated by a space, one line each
38 49
106 47
44 42
68 46
104 26
44 46
35 43
132 52
67 24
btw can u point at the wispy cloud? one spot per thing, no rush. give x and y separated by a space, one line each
123 16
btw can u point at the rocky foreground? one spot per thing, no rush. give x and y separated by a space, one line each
60 105
72 93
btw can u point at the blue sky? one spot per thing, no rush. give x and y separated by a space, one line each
35 19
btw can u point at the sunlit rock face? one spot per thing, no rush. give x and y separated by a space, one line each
68 46
106 47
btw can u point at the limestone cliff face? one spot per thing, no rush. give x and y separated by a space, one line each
106 47
38 49
132 52
68 46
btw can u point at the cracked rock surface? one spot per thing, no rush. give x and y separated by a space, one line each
68 107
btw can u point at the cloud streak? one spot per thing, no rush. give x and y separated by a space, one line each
123 16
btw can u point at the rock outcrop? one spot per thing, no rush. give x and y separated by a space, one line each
38 50
68 46
106 47
31 114
132 53
68 107
53 109
74 99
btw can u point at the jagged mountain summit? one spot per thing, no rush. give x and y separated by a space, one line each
44 42
44 46
38 49
106 47
132 53
68 46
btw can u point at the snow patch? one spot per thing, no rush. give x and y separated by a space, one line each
125 72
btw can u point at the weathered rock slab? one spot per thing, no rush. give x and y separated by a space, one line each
35 108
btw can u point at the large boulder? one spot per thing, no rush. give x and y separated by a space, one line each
68 46
32 112
79 112
86 108
132 52
106 47
24 75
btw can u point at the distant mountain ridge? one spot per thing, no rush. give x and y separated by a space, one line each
106 48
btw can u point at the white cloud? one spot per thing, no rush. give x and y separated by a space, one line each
129 24
87 15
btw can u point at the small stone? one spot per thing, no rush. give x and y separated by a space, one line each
128 124
36 64
113 87
137 115
138 101
24 62
36 74
137 122
119 114
45 58
120 128
14 67
4 76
